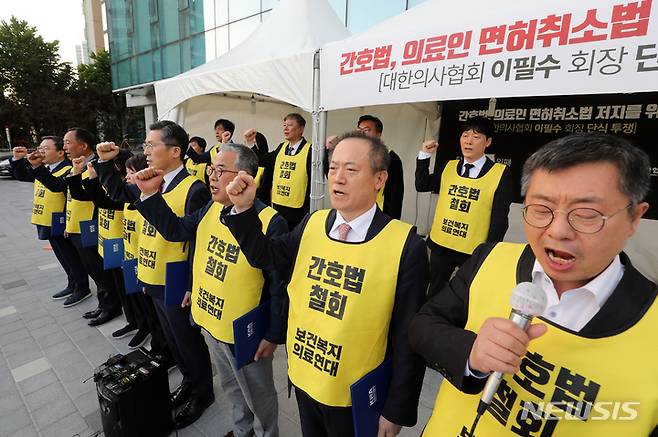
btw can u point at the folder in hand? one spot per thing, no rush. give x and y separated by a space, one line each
130 281
89 233
368 397
112 253
248 331
177 278
59 224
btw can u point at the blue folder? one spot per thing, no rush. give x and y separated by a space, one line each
177 278
368 397
112 253
248 331
59 224
130 281
89 233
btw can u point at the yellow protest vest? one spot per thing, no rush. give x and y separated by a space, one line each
463 210
225 286
47 202
341 299
77 210
196 170
259 176
110 225
568 385
214 150
380 198
132 227
154 251
290 178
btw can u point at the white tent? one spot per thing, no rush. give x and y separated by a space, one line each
275 61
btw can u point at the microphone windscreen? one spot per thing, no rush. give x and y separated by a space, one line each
528 298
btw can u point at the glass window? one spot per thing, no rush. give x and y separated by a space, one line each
145 67
197 17
169 31
142 27
239 31
221 41
157 65
221 12
242 8
186 54
171 61
268 4
123 74
363 14
340 6
412 3
198 50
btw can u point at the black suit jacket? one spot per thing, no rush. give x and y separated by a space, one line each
502 198
174 228
408 371
292 215
437 332
119 191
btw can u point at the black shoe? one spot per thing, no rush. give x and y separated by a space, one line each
103 317
139 339
76 297
180 395
92 314
192 410
120 333
62 294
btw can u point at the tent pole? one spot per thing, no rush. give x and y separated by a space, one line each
319 133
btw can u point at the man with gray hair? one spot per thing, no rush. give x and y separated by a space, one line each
226 287
583 200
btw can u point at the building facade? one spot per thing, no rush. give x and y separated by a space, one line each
151 40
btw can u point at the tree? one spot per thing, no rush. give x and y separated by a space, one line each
35 85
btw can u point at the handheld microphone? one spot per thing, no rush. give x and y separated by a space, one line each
528 300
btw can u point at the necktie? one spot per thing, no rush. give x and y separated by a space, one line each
343 230
290 150
467 170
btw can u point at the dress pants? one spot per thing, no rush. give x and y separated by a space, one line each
319 420
250 390
108 298
442 266
185 343
70 260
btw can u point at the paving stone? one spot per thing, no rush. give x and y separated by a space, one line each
15 420
37 382
70 425
13 284
47 395
52 413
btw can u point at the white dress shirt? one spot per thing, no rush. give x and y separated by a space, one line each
52 167
294 147
576 307
358 227
166 180
475 171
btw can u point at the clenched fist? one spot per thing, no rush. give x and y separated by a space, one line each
107 151
249 137
19 153
242 191
429 146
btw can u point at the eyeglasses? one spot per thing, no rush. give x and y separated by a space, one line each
219 171
583 220
151 145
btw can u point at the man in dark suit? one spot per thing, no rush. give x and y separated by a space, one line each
164 148
49 199
287 173
226 287
355 277
583 199
474 198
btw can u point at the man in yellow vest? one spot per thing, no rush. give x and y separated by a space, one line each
226 287
355 278
474 198
49 199
165 146
590 367
197 144
287 173
78 143
224 130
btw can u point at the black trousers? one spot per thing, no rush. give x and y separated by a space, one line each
186 344
319 420
70 260
108 297
151 322
442 266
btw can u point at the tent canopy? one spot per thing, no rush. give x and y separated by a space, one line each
276 60
437 51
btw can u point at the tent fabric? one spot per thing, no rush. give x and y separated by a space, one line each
276 60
